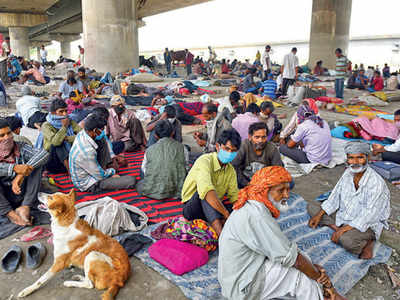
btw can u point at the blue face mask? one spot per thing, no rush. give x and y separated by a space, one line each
226 157
101 136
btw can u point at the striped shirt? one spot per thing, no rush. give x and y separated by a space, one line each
84 168
341 66
367 207
269 87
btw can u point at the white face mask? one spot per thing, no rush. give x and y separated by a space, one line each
356 168
171 120
281 207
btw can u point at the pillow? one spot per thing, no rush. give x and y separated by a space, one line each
178 257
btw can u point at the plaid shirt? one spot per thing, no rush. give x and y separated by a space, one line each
84 168
28 156
367 207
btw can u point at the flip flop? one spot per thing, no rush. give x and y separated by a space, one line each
11 260
36 233
35 255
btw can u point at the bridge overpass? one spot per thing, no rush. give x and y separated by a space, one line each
110 27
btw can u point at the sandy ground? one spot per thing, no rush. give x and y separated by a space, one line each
148 284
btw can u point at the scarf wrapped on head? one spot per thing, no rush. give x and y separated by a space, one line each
312 104
259 186
305 112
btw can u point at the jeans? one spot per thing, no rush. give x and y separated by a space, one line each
339 87
391 156
168 65
286 83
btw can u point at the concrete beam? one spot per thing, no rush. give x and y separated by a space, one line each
19 41
32 6
147 8
22 20
38 44
59 37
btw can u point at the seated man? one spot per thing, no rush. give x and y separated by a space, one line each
229 106
256 260
210 179
69 85
58 136
313 136
164 163
270 87
390 152
169 114
358 207
82 77
242 122
21 168
270 119
123 126
34 75
216 124
29 108
90 160
255 153
15 124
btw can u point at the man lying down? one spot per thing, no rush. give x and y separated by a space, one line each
256 260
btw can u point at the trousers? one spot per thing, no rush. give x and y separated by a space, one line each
339 87
285 85
294 153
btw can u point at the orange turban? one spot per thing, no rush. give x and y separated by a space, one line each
259 186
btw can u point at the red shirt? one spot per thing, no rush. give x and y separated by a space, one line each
377 83
225 69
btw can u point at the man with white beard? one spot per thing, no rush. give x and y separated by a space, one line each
358 207
256 260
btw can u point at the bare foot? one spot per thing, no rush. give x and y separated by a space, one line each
367 252
25 213
16 218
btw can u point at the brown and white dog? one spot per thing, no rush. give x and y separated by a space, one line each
104 260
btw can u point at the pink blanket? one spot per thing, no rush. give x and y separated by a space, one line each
378 127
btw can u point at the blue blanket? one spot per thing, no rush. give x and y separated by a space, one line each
343 268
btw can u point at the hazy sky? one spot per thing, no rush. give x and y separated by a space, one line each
230 22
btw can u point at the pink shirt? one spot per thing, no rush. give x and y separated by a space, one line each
118 129
242 123
71 105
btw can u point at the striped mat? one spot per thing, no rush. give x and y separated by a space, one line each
344 269
156 210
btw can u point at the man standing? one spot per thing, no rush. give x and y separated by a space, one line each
167 60
43 55
358 207
289 70
341 69
255 153
124 126
5 46
188 61
266 62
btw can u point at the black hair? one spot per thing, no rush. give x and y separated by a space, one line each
71 80
294 49
378 72
163 129
253 108
267 104
397 112
338 50
161 94
319 62
234 96
211 108
57 104
93 122
14 122
171 111
3 123
232 136
74 94
7 38
268 46
82 69
257 126
101 111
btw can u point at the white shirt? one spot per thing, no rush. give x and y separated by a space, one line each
27 105
5 47
42 70
224 102
266 61
394 147
290 63
43 53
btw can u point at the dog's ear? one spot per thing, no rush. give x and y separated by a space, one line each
72 195
58 207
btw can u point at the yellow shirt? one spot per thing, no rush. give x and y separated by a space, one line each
207 175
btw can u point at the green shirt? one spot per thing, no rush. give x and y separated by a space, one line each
206 175
55 137
341 66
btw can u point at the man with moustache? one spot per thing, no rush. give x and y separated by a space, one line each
255 153
358 207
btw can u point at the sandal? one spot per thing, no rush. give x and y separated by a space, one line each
35 233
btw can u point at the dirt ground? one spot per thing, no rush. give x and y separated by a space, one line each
148 284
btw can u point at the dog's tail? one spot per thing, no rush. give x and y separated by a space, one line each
110 293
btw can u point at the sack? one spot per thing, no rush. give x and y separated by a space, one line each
178 257
388 170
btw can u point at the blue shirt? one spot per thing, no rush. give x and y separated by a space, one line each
270 87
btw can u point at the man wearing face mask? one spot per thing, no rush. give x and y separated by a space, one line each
256 260
358 207
90 162
255 153
390 152
169 114
209 180
123 126
21 168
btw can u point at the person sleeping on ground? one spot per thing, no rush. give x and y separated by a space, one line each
256 260
29 109
209 180
311 142
358 207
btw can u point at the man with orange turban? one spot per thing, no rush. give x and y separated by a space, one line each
256 260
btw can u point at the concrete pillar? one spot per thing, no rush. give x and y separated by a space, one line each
66 49
330 27
19 41
109 35
38 58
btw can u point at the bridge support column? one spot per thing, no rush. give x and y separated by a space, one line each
19 41
110 35
330 27
66 49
